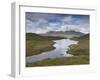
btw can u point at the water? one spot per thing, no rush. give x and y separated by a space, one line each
62 46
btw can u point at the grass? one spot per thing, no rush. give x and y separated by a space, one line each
80 52
36 44
82 48
60 61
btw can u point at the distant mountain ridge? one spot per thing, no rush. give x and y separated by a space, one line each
68 34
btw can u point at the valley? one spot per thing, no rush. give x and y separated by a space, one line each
36 44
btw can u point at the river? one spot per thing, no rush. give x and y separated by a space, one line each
61 48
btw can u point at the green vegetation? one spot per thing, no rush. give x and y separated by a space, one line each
35 44
60 61
80 52
82 48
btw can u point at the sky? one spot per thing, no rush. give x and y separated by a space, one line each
45 22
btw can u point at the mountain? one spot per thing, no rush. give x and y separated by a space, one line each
68 34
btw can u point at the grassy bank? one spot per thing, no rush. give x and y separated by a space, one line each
82 49
80 52
36 44
60 61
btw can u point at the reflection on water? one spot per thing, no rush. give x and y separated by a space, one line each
61 46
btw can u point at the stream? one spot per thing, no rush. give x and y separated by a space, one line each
61 50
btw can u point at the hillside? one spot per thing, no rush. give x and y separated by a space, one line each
82 49
80 52
36 44
68 34
30 36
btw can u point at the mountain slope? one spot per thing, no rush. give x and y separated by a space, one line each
36 44
68 34
83 46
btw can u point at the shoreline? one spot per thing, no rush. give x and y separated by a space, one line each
80 52
36 44
59 52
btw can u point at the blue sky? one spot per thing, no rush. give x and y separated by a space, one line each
45 22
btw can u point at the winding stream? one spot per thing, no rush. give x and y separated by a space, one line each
62 46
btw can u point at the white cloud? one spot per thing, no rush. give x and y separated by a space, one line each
67 23
67 19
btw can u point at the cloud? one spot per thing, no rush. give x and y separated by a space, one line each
44 22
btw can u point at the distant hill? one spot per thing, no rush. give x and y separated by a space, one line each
68 34
32 36
84 37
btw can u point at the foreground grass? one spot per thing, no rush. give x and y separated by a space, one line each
36 44
60 61
80 52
